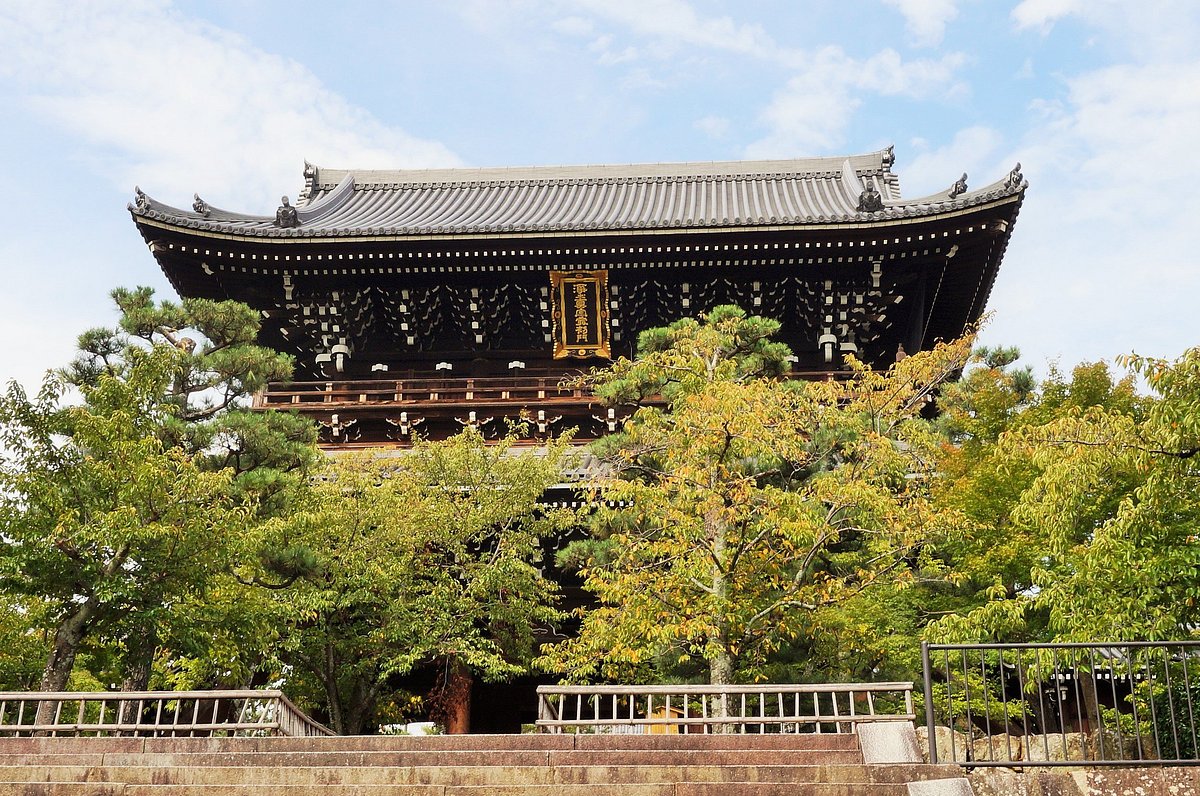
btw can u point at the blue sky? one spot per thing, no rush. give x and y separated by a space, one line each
1099 101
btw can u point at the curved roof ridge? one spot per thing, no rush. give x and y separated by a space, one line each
735 194
871 163
1012 182
319 207
143 204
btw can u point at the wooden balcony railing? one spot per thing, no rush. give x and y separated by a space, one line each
420 391
524 389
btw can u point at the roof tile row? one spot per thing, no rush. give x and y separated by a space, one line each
591 198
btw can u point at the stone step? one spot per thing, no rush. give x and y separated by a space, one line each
598 757
89 745
62 788
530 742
681 789
497 765
468 775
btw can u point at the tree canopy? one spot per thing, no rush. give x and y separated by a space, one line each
1082 508
432 557
101 519
131 482
747 505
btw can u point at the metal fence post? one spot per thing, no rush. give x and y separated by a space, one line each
927 687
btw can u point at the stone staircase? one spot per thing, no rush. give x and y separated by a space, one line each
470 765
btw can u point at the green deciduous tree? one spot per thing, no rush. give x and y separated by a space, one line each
433 557
111 473
1083 512
747 507
101 521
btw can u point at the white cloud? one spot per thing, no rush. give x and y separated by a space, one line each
178 105
811 112
677 21
1151 30
887 73
807 116
926 20
607 56
1044 13
1104 257
573 26
975 150
822 87
716 127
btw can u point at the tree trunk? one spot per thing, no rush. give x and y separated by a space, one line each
139 660
452 699
720 668
361 711
329 680
67 639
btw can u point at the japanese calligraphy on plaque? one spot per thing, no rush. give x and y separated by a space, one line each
580 314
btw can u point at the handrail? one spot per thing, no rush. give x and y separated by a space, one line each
154 713
774 708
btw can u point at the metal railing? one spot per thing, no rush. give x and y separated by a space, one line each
1103 703
817 708
153 713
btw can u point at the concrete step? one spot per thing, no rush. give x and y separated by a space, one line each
473 776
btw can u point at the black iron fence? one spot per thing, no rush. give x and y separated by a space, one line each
1105 703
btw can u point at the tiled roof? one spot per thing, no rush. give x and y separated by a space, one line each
740 194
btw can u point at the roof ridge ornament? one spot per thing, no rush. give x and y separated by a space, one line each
285 215
960 186
200 206
310 182
142 201
870 200
1014 178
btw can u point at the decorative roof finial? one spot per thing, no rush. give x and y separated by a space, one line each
200 206
870 200
960 187
142 201
285 216
889 157
1014 177
310 170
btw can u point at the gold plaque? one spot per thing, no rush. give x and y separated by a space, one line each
580 314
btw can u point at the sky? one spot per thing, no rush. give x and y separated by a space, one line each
1099 100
